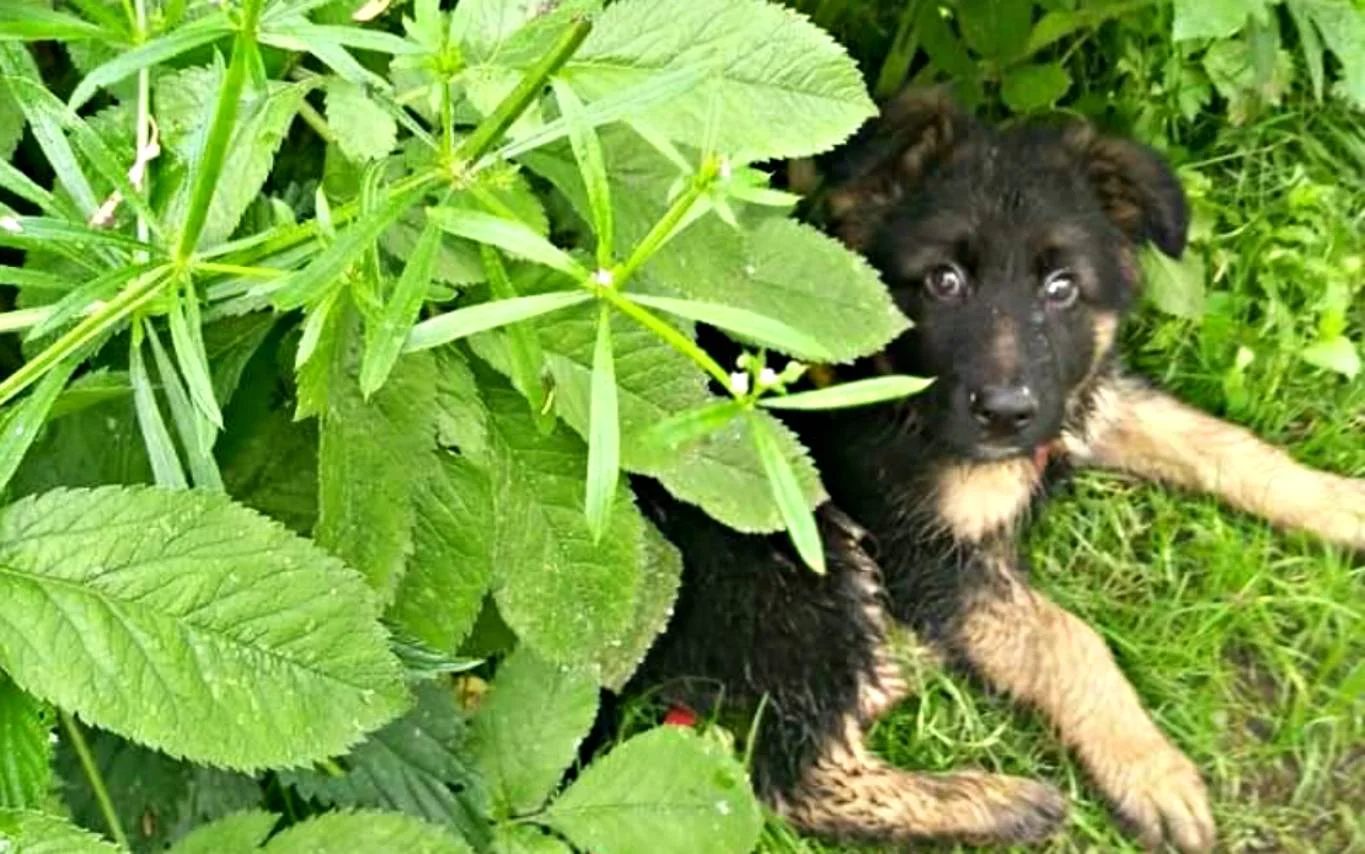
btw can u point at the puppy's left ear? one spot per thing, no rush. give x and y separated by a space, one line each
1139 191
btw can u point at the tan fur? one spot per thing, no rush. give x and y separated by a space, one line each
1152 435
1005 346
1029 647
976 500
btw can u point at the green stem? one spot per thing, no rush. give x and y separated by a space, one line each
491 129
663 229
144 101
92 773
239 270
668 333
314 120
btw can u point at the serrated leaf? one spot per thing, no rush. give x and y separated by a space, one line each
190 624
512 31
526 839
510 235
229 344
1334 354
796 514
25 750
90 389
451 567
463 322
462 418
243 831
664 791
417 765
270 464
565 594
371 456
661 573
365 830
528 728
1175 287
995 29
1342 26
364 130
1027 88
384 339
856 393
179 40
40 833
98 445
785 87
1213 19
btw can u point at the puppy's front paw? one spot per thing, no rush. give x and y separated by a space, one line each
1162 798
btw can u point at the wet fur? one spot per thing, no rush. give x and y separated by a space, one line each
934 548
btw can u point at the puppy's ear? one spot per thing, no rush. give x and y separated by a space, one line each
916 130
1139 191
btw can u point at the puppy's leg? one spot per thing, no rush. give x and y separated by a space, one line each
1150 434
1028 646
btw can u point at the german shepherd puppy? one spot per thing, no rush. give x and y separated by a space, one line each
1014 251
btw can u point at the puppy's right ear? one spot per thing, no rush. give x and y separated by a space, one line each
888 157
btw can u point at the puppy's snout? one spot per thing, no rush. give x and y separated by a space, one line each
1003 409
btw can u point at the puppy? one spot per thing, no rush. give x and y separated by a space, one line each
1015 253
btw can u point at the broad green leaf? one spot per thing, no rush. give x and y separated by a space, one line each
1342 26
463 322
1028 88
90 389
512 32
229 344
666 791
748 324
526 839
239 832
160 449
526 358
451 567
34 832
796 514
661 573
25 751
190 624
384 339
364 130
12 123
528 728
1214 19
509 235
32 22
26 87
334 321
417 765
457 261
604 432
784 87
588 152
21 422
856 393
995 29
1175 287
565 594
371 456
1310 43
365 830
1335 354
97 445
462 418
691 425
178 41
270 464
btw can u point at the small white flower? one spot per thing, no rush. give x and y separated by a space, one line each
726 170
10 224
739 383
604 278
767 377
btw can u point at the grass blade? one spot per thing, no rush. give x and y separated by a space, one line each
353 37
28 232
187 338
20 426
178 41
856 393
25 22
384 340
196 436
604 431
749 324
510 235
791 503
489 315
587 150
527 359
26 86
78 301
160 450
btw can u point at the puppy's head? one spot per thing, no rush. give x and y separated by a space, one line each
1014 251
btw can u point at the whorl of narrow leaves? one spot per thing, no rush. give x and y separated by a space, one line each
191 624
365 830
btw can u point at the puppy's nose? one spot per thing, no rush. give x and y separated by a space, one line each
1006 409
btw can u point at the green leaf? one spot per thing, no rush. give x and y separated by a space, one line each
995 29
416 765
364 130
511 31
526 839
1334 354
25 771
40 833
179 40
229 344
1028 88
371 457
462 418
691 425
451 568
384 339
96 445
509 235
748 324
243 831
160 449
355 37
524 353
1342 26
1214 19
463 322
21 422
796 514
196 434
365 830
785 87
270 464
269 648
1175 287
12 123
30 22
856 393
187 336
604 432
587 151
661 573
567 595
528 728
27 89
666 791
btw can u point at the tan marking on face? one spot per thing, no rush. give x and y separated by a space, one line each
1005 347
1105 329
981 498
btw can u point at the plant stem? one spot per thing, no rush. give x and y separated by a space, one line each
314 120
144 101
239 270
92 773
668 333
663 229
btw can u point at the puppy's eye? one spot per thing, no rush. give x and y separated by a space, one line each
946 283
1060 289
